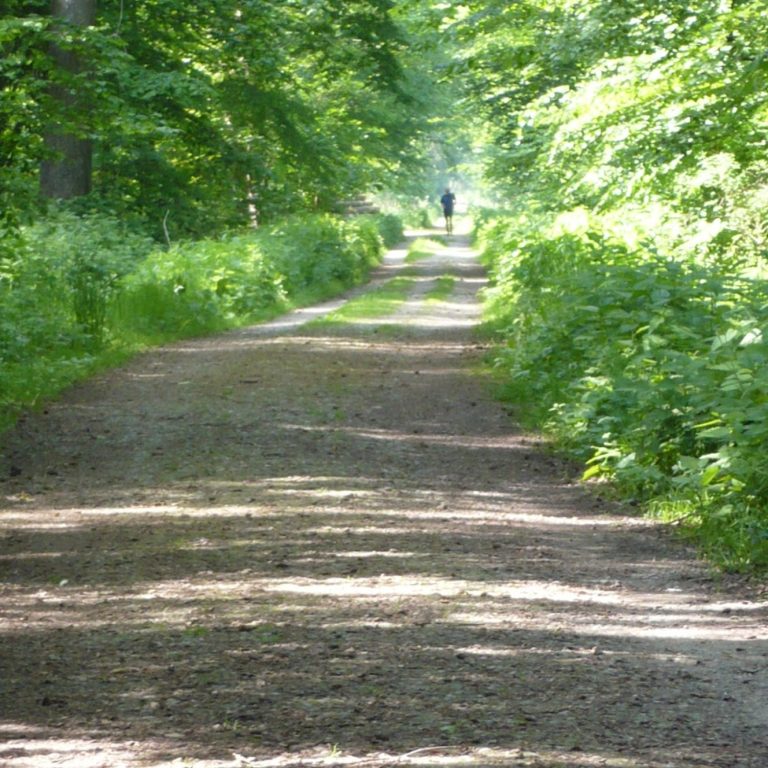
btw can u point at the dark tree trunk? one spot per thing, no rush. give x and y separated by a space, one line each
67 172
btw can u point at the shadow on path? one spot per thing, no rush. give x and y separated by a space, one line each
294 545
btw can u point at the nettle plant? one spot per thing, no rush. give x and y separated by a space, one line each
651 370
72 267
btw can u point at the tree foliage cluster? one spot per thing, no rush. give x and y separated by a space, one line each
211 114
627 141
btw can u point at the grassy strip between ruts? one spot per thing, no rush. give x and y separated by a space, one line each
380 302
386 299
423 248
443 288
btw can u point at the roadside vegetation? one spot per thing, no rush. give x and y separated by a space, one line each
652 370
629 261
83 293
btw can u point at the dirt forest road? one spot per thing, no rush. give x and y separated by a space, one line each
297 545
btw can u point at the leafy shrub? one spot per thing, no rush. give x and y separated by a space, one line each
421 216
197 287
55 287
80 292
214 284
651 370
71 266
390 228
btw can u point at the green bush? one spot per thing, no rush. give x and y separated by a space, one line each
653 371
63 275
80 292
422 215
55 288
390 227
213 284
197 287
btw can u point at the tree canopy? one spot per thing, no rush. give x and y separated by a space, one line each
220 111
215 112
610 104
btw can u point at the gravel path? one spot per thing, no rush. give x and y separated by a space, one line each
328 545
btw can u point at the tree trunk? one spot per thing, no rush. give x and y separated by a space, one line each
67 172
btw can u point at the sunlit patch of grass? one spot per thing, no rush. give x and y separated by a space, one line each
423 248
390 331
443 288
673 511
377 303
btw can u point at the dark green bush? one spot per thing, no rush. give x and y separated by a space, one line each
390 227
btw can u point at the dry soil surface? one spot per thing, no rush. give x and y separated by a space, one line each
297 545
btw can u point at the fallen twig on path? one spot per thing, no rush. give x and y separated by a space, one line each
382 760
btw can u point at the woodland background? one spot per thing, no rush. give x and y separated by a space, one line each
175 168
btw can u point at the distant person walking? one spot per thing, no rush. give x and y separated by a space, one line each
448 200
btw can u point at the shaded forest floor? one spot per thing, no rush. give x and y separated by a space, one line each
309 545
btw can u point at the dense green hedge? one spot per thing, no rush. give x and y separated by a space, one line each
654 371
80 293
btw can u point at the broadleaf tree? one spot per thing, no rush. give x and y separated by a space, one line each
210 114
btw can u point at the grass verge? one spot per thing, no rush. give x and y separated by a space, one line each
380 302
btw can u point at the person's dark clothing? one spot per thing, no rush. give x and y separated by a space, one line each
447 201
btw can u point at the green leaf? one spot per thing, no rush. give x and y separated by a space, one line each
593 471
716 433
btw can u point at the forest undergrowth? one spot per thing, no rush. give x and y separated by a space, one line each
83 293
629 257
648 368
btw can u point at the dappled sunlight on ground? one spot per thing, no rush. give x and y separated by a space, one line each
306 525
37 750
333 548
